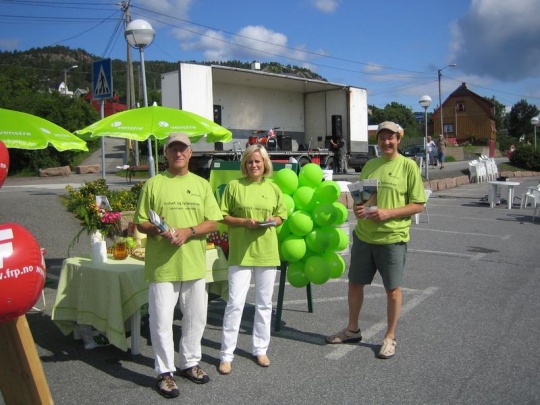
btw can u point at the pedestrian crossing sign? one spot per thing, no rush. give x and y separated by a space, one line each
102 84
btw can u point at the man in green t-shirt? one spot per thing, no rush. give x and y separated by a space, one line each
175 261
381 235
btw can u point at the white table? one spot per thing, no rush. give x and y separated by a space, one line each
494 191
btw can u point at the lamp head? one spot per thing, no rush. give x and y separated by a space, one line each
139 34
535 120
425 101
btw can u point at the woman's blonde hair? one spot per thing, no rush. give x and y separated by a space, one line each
250 150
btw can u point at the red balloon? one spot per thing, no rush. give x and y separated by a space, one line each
22 271
4 163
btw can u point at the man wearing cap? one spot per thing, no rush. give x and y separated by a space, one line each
175 261
381 235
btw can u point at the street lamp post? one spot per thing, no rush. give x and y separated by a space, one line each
425 102
65 76
139 34
534 122
440 96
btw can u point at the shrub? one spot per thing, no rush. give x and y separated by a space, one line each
505 142
525 157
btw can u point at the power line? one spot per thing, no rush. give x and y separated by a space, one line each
165 19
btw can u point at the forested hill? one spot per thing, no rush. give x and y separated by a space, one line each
47 66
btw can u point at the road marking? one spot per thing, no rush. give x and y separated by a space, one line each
343 350
438 252
504 237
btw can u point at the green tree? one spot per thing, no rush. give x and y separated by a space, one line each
500 113
398 113
519 119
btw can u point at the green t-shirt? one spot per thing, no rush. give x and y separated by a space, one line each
399 183
183 201
246 199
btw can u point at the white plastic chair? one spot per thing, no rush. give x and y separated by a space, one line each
536 202
486 164
529 194
481 171
428 193
477 172
490 170
473 173
495 168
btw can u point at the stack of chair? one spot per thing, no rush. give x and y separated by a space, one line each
477 172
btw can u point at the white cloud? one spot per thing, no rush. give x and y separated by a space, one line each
174 8
251 42
499 39
326 6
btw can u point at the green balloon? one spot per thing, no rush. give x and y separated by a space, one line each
283 231
336 263
304 198
293 248
296 276
343 213
340 240
289 203
328 191
321 239
287 180
325 214
317 270
310 175
300 223
309 252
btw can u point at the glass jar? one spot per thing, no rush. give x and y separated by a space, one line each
120 251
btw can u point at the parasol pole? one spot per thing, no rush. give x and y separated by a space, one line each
102 102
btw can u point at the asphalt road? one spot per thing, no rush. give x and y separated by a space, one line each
467 333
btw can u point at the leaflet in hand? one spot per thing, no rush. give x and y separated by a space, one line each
267 224
157 221
364 192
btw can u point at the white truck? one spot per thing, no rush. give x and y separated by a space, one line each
294 117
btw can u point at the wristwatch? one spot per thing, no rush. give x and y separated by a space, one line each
193 233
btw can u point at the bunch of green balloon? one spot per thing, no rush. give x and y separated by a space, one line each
310 237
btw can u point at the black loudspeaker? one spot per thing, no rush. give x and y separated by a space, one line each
327 144
286 143
217 114
337 127
280 141
272 144
218 146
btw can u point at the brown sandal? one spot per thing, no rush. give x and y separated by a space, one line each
345 336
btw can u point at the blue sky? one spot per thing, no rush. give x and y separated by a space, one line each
393 48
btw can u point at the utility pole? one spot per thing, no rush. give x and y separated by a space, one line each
130 83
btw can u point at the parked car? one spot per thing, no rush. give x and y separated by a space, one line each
414 151
357 160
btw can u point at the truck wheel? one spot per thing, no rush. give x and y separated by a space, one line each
303 160
329 164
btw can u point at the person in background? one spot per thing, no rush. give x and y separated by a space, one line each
253 248
442 150
175 262
380 237
432 151
337 145
510 151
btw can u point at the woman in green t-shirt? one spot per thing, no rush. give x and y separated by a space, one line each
252 207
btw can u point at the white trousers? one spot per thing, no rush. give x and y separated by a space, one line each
239 280
162 299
